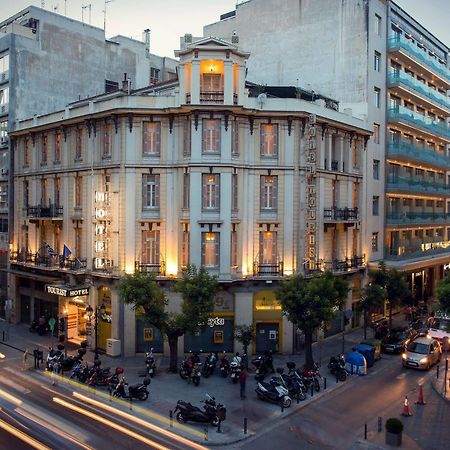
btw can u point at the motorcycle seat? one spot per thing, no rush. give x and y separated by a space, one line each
134 387
267 386
188 406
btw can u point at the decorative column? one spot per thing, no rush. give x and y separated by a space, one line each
195 82
228 82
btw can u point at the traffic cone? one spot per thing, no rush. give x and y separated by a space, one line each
406 411
420 400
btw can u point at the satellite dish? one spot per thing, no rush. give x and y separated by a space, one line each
262 99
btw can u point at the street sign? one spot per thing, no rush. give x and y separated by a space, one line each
51 323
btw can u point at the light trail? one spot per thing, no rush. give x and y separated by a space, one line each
22 436
2 356
109 423
10 398
139 421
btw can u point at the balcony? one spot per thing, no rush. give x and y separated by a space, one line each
416 249
418 121
47 261
420 56
411 152
344 265
413 217
416 185
211 97
340 214
412 85
268 269
158 269
50 212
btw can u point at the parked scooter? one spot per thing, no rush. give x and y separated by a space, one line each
54 358
212 413
209 365
137 391
190 370
270 393
224 365
296 388
235 371
336 367
103 377
150 363
311 377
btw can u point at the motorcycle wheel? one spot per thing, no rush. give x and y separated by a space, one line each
286 402
301 396
143 396
180 418
215 422
235 380
183 374
342 375
316 385
196 381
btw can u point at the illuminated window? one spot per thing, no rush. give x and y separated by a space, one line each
58 139
150 247
151 145
185 247
375 242
211 191
210 249
267 250
211 136
3 196
269 188
150 194
269 141
107 142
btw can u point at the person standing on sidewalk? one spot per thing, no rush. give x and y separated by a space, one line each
242 380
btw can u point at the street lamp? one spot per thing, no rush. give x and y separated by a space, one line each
90 313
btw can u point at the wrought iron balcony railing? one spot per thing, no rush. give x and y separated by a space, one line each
45 212
158 269
211 97
335 214
48 261
268 269
344 265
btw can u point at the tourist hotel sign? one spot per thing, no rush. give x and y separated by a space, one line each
311 195
65 291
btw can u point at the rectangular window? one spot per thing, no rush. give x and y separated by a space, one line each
269 141
375 205
44 150
43 191
377 61
3 225
78 144
234 192
150 194
154 75
376 169
269 188
377 97
211 136
57 187
376 133
151 145
150 248
235 138
210 249
377 25
3 196
187 138
78 191
211 191
107 142
234 249
78 241
26 193
375 242
58 140
267 250
186 188
26 152
185 247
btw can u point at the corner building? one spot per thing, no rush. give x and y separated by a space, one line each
201 170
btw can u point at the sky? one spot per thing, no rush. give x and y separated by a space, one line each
170 19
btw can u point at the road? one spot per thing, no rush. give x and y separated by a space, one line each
34 414
336 421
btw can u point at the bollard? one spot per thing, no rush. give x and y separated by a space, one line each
4 336
245 425
218 427
206 432
365 431
282 405
312 389
298 398
324 383
437 372
36 362
171 418
337 378
379 425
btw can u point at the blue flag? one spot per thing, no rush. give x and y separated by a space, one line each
66 252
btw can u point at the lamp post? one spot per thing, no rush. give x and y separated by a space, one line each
90 312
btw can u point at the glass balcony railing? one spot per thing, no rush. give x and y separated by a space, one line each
419 121
416 185
421 55
415 217
417 153
398 77
417 249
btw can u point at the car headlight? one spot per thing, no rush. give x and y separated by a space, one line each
424 360
404 356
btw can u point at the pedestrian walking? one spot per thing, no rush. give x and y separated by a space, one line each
242 380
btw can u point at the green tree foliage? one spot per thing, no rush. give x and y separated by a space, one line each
245 335
443 293
308 303
373 296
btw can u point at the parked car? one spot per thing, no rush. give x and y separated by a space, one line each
397 340
422 353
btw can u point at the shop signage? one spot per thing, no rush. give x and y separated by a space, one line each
216 321
101 230
311 195
64 291
430 245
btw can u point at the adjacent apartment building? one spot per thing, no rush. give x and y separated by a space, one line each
380 62
48 60
203 170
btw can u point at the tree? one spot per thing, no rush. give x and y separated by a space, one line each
310 303
373 296
245 335
443 293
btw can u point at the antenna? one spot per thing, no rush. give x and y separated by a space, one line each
82 11
104 15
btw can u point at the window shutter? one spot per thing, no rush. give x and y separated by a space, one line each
156 247
275 140
145 137
217 249
205 190
217 192
203 248
144 191
217 136
275 193
158 139
262 140
235 138
262 189
274 248
144 247
156 205
204 135
234 193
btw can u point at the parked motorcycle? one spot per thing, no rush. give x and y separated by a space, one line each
54 358
150 363
296 388
275 394
137 391
104 377
235 370
224 365
209 365
336 366
311 377
191 371
212 413
263 363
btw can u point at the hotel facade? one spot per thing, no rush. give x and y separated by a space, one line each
200 170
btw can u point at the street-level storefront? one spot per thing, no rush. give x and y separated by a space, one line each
148 337
104 318
267 320
217 335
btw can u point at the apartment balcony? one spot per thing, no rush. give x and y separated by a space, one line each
411 119
158 269
210 97
418 57
425 94
50 212
416 186
340 214
413 153
416 218
417 249
46 261
261 269
344 265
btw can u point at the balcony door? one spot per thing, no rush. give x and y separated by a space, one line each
267 248
150 248
212 82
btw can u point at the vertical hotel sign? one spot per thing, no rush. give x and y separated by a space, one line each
311 195
101 231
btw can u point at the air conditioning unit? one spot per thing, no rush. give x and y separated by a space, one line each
5 172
